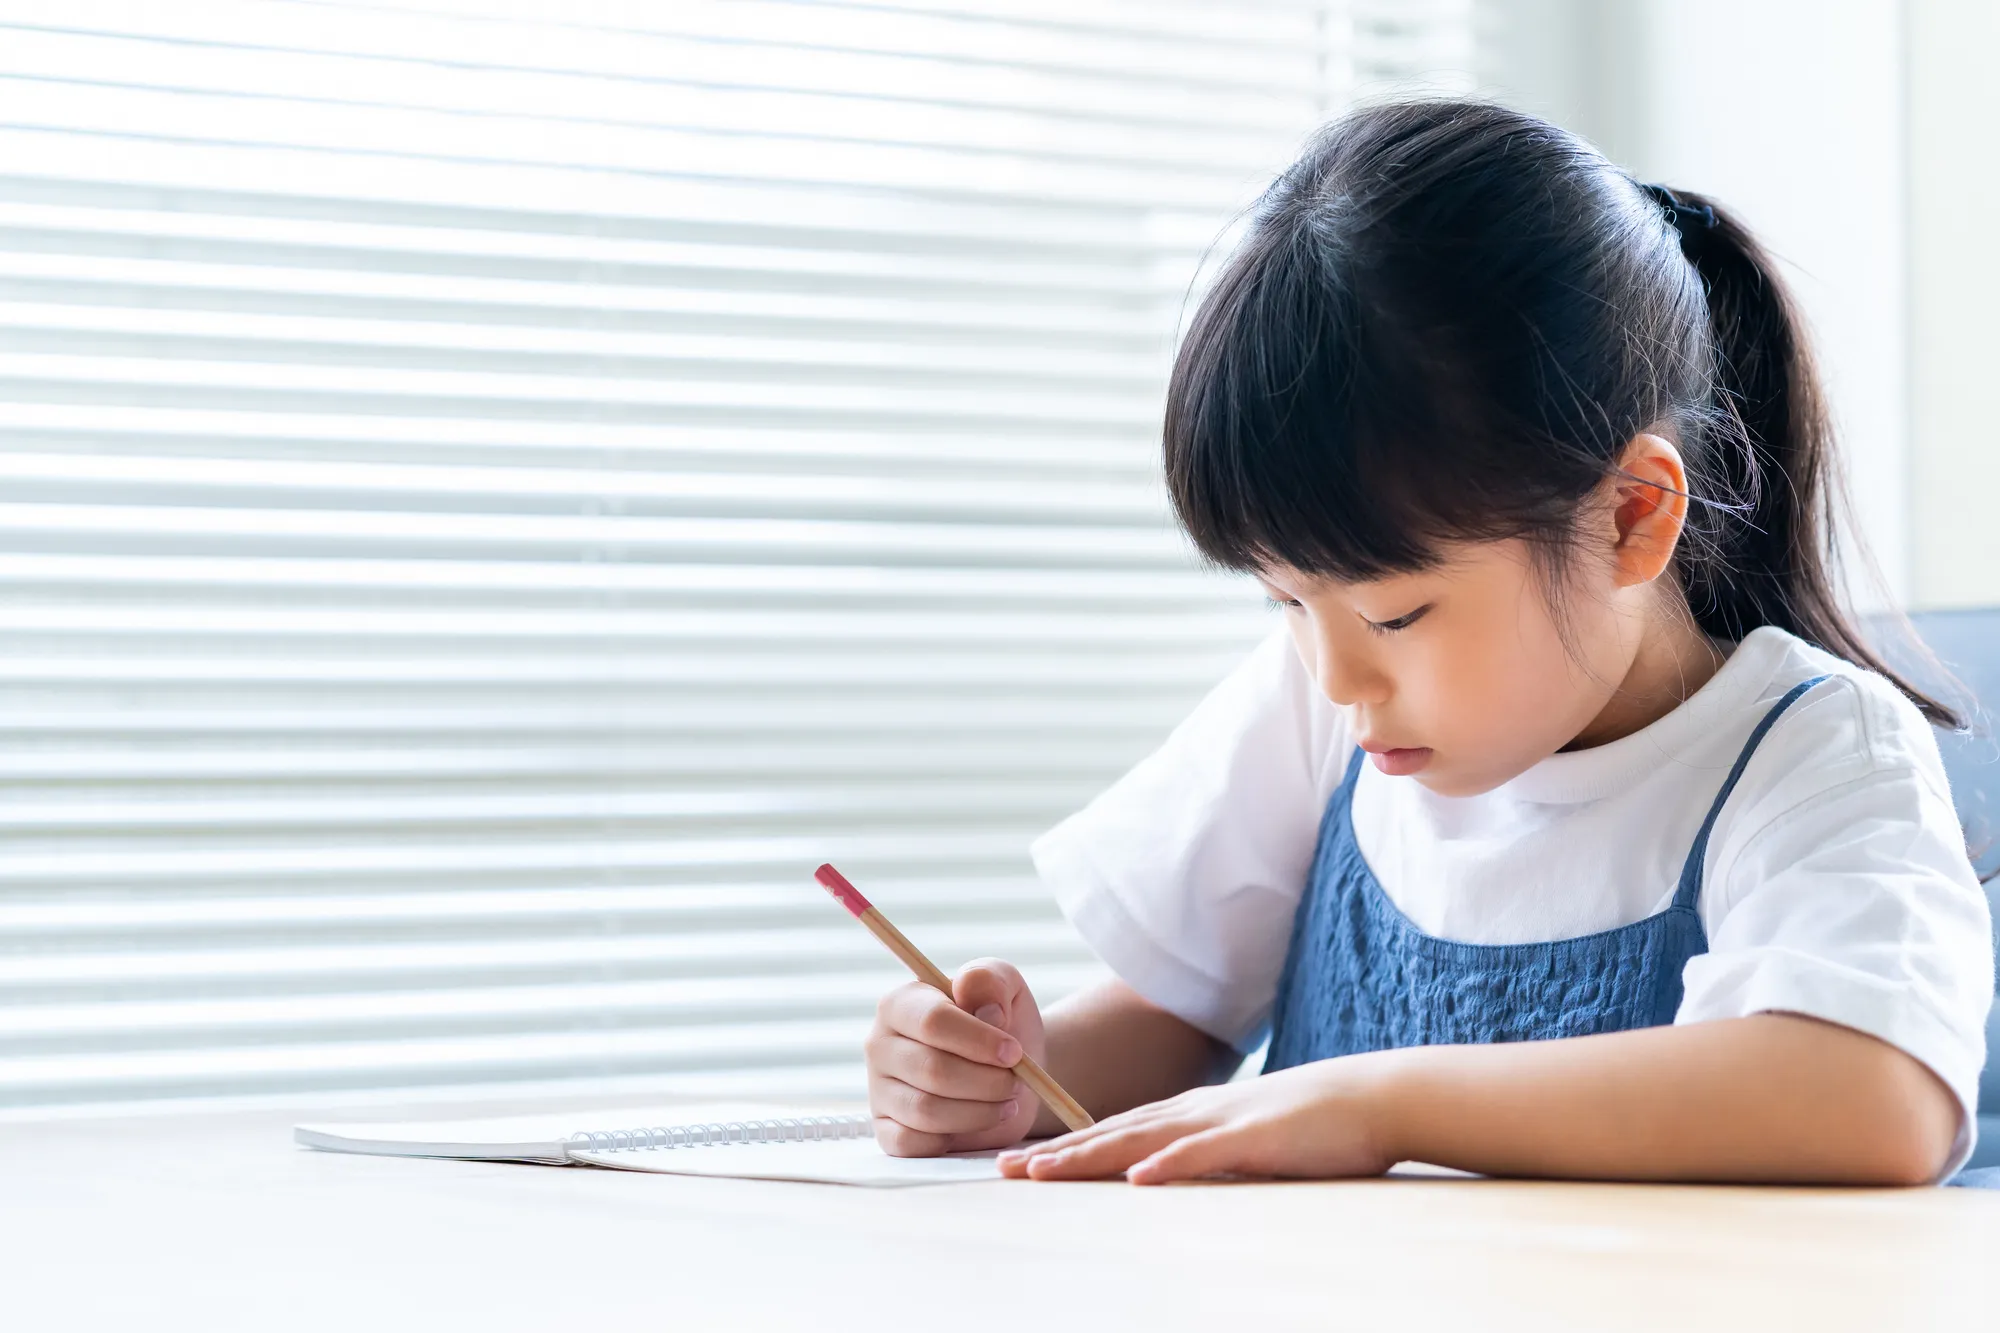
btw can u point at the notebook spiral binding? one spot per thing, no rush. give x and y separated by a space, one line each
799 1129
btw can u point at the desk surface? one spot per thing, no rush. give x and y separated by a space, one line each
218 1222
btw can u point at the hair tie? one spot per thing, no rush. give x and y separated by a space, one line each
1692 221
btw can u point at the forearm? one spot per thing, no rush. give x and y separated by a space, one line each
1772 1097
1114 1050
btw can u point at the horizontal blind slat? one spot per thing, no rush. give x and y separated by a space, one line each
490 497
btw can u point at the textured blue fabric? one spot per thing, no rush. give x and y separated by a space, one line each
1360 976
1978 1178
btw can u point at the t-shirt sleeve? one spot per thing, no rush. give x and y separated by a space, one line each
1856 903
1185 874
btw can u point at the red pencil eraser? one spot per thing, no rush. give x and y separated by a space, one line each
837 885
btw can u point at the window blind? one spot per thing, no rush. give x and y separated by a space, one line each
491 494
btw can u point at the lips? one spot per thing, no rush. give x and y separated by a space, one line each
1397 761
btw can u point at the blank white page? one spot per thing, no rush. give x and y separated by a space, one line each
832 1161
541 1137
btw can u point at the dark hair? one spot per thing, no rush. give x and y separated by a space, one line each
1446 322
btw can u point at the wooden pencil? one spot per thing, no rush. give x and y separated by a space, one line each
1037 1078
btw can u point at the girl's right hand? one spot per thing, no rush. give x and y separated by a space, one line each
940 1075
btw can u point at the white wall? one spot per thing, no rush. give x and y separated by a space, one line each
1954 183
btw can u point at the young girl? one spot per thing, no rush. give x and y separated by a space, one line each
1575 831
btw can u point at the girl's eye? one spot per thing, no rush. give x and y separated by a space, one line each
1400 622
1282 603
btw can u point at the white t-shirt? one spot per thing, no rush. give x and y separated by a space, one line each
1836 881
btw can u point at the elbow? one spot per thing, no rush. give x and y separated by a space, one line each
1914 1160
1911 1129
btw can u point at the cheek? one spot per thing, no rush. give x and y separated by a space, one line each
1540 684
1482 698
1302 640
1509 688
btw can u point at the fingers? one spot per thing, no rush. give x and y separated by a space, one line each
1202 1154
941 1079
1105 1155
928 1101
929 1113
928 1016
1155 1112
1105 1149
1014 1162
989 983
931 1070
902 1141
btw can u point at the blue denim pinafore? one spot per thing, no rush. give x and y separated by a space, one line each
1360 976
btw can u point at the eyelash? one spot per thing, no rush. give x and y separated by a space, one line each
1374 626
1399 623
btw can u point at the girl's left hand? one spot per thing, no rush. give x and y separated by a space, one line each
1318 1120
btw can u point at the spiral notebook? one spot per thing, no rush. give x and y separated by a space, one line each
747 1142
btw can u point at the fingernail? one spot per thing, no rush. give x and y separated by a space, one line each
1008 1052
988 1013
1009 1108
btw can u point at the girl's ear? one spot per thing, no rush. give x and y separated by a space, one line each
1648 508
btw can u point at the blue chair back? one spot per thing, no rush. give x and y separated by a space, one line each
1968 643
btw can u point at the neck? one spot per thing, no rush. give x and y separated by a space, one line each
1674 659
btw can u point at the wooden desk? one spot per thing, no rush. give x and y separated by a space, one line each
219 1223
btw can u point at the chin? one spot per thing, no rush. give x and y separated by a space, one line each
1442 786
1444 780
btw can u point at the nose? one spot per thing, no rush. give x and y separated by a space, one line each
1347 677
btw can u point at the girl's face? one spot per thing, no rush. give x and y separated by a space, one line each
1461 677
1457 676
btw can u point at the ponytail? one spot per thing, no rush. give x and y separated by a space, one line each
1767 555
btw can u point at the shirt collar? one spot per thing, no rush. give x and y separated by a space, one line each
1712 721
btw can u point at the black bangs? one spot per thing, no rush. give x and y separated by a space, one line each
1261 426
1307 429
1403 352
